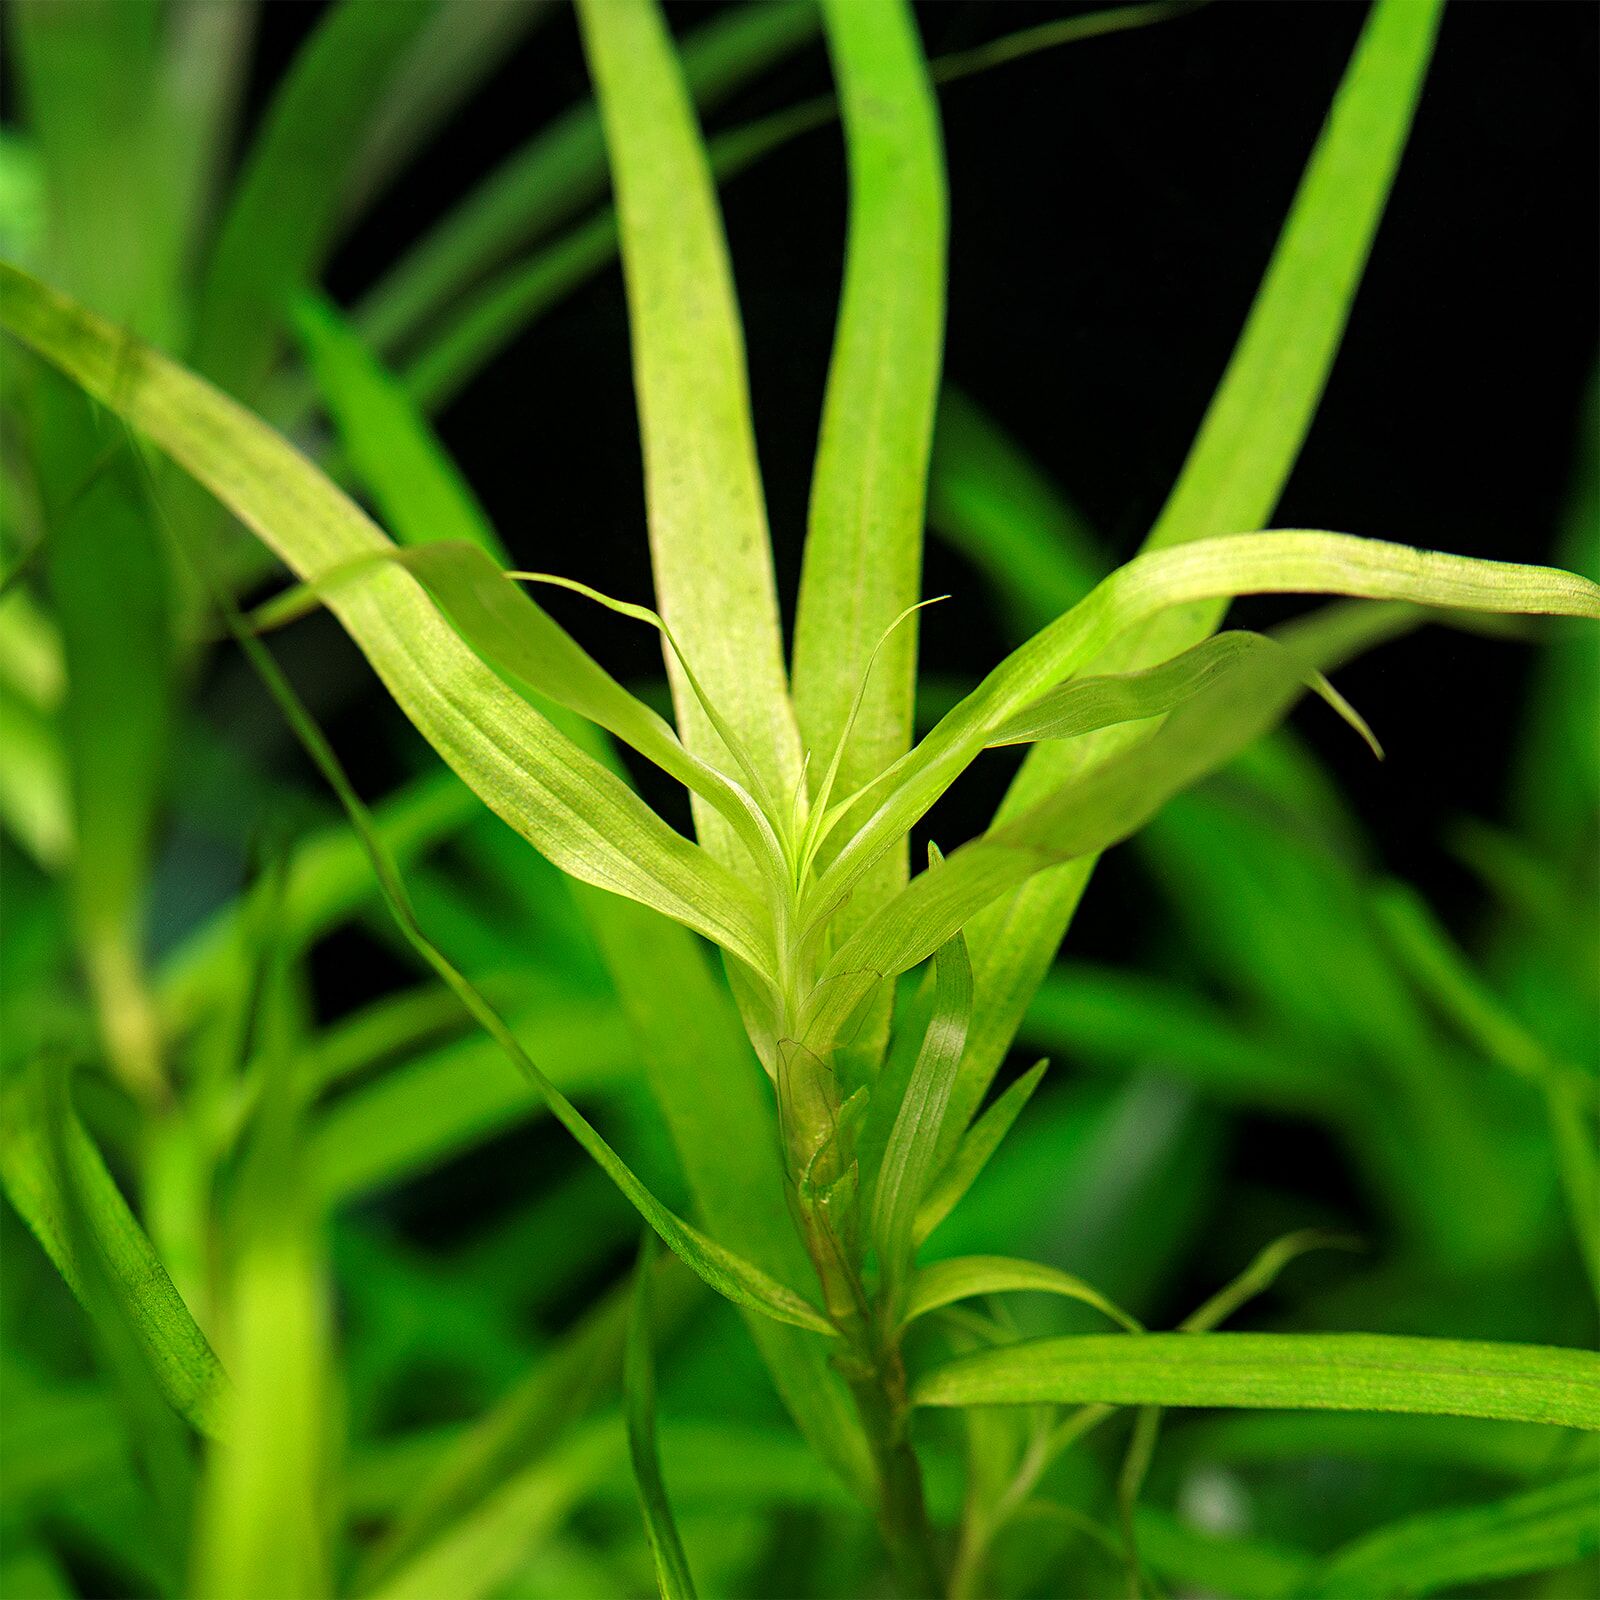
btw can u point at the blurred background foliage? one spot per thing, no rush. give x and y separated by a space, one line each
1316 993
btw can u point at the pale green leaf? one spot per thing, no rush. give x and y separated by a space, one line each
557 797
1262 413
863 552
708 528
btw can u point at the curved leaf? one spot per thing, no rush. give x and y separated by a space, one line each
560 799
963 1277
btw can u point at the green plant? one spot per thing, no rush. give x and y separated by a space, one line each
812 1195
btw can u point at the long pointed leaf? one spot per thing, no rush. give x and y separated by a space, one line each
708 527
1307 1371
863 553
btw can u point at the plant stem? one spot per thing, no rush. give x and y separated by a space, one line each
876 1377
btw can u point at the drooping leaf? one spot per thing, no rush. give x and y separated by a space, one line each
1331 1371
461 45
673 1578
1162 582
560 799
1086 704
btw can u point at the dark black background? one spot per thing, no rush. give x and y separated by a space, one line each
1113 205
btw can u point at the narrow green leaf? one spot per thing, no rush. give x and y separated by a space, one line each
971 1156
564 802
1442 971
1331 1371
479 1554
863 552
673 1578
262 1519
1540 1529
462 44
113 603
1085 704
708 529
908 1156
418 491
182 1361
962 1277
285 206
1241 461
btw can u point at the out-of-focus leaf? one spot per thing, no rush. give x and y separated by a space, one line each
971 1156
1330 1371
557 172
708 527
987 498
459 48
673 1577
416 486
262 1523
477 1554
285 206
854 665
108 580
1551 1527
419 1115
1442 971
180 1358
